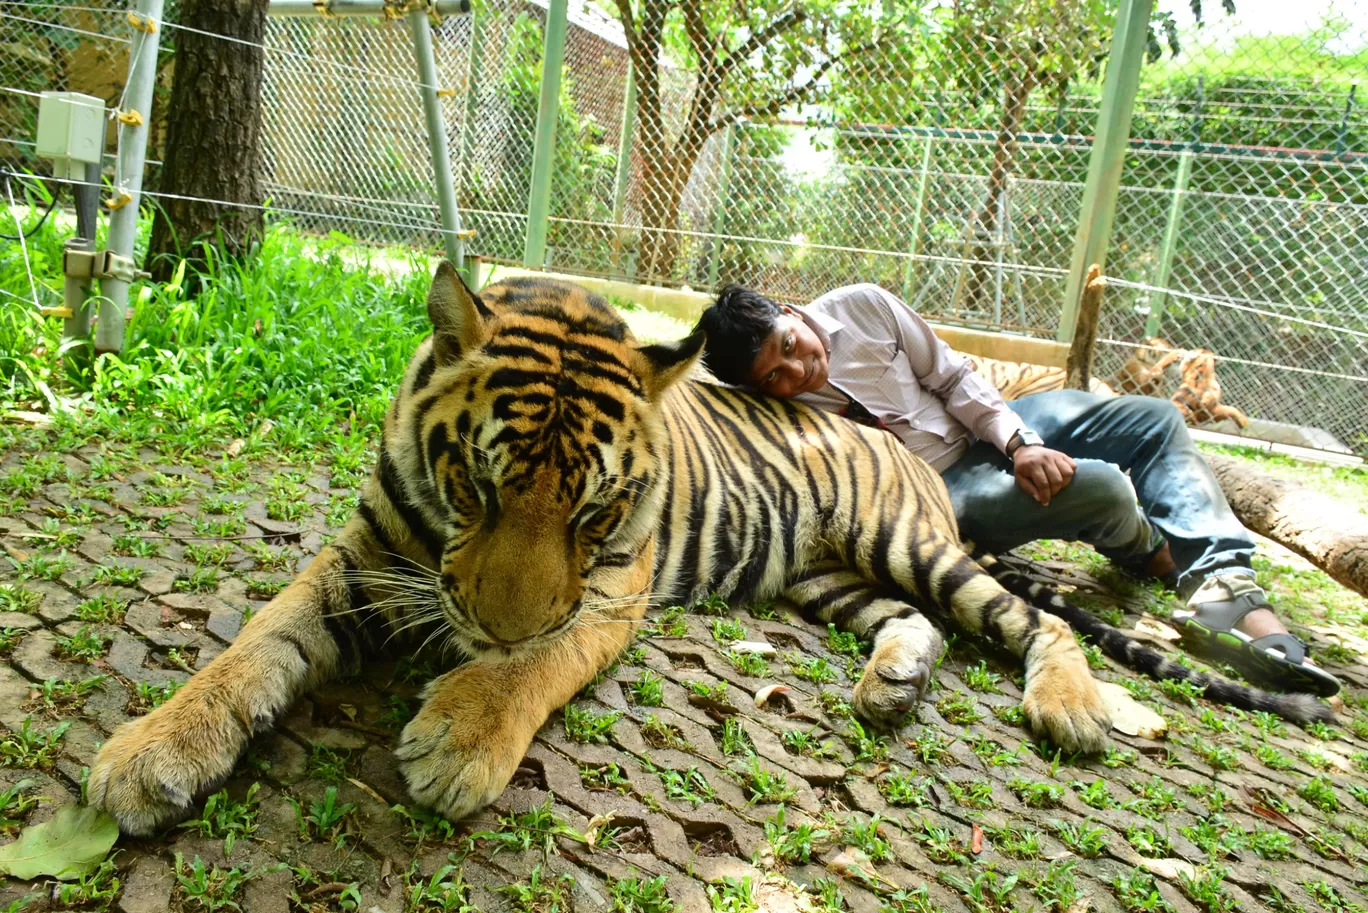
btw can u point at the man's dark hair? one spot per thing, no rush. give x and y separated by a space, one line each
737 324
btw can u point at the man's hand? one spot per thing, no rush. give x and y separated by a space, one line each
1041 472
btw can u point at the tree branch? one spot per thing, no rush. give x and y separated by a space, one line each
798 93
758 40
709 87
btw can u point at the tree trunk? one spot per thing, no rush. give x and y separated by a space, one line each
665 175
1014 96
213 140
1313 525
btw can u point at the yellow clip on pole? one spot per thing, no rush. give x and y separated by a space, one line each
130 117
142 23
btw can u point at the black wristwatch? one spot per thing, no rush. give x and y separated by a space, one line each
1023 438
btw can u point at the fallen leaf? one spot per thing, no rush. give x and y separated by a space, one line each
596 825
1081 905
764 694
976 841
235 447
1278 818
853 862
1130 716
1149 626
758 647
1168 869
385 871
349 710
66 847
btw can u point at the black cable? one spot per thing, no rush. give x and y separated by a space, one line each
25 235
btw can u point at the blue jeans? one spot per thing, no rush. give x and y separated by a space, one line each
1178 497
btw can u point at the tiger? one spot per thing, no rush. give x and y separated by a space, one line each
1014 379
1199 393
1198 398
542 481
1143 374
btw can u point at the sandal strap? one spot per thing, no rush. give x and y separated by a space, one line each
1292 649
1225 614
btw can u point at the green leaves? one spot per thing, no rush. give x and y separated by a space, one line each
67 847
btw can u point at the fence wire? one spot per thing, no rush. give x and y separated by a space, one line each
942 155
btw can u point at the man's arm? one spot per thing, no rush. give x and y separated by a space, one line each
968 396
947 374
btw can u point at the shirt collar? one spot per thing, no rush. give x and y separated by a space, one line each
824 326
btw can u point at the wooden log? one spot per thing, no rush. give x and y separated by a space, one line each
1078 367
1317 527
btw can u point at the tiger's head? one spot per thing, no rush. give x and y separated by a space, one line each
535 448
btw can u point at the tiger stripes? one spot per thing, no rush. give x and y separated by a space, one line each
542 481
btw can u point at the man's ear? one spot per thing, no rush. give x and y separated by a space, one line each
457 315
668 362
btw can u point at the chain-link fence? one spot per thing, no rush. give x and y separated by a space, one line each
941 151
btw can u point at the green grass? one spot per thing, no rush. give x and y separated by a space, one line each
298 335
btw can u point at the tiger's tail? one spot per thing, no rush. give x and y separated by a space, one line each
1297 708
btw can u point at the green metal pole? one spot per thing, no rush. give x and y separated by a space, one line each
437 138
123 221
910 270
624 165
1161 276
1108 153
544 149
720 207
472 95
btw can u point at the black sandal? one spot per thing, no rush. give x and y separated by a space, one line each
1276 657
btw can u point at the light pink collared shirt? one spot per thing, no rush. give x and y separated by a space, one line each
886 358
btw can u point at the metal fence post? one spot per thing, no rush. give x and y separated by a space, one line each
544 148
1108 153
918 207
135 117
624 166
1158 300
437 138
719 214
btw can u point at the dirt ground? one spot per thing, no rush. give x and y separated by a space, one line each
661 787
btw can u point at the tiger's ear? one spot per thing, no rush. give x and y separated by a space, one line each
457 315
668 362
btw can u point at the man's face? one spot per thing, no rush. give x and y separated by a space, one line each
792 359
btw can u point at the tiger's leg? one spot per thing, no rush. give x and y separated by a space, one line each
478 720
151 769
906 645
1221 411
1061 699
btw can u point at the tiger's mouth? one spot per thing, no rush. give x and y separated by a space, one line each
475 640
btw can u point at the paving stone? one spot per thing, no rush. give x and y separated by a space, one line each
148 886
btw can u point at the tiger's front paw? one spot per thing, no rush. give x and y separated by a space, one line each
152 769
1062 702
899 670
463 747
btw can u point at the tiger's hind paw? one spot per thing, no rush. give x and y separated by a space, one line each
899 670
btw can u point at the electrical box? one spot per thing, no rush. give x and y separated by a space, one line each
71 132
